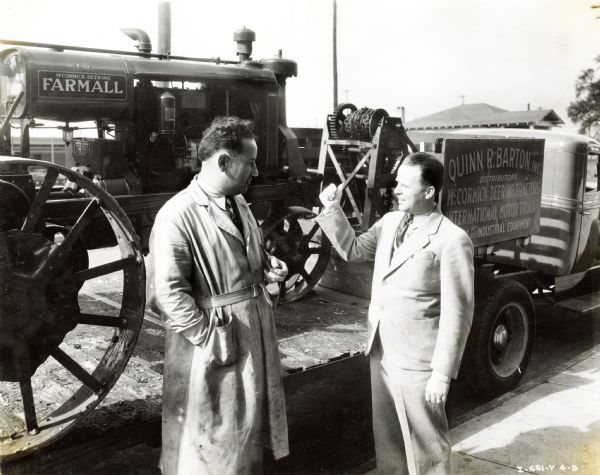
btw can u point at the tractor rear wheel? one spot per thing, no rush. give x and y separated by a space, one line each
51 376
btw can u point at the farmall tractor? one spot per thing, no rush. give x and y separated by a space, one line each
148 112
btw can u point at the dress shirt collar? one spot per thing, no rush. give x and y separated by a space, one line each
419 219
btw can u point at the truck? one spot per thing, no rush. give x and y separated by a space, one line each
559 259
530 202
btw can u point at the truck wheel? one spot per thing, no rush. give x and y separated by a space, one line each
60 353
501 339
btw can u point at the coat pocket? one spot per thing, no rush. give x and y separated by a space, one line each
222 346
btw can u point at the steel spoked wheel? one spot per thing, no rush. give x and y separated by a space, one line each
292 237
501 339
59 354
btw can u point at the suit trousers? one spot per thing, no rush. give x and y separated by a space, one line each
411 435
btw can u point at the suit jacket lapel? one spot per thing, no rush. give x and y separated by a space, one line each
418 240
388 236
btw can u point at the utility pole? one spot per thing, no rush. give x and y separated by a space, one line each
462 99
402 111
335 73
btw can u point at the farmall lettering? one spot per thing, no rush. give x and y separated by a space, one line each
82 85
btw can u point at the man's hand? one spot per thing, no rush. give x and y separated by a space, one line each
331 196
277 270
436 390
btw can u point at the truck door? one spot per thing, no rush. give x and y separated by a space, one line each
588 252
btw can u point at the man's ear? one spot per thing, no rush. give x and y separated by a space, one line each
430 192
223 161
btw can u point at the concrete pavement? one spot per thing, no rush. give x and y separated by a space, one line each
553 427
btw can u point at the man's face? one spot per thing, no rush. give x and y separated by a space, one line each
242 167
410 191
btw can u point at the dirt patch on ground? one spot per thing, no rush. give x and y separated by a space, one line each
322 327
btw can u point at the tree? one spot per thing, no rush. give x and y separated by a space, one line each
585 109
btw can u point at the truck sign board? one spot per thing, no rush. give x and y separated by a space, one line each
493 187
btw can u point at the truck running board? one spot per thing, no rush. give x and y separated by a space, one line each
583 304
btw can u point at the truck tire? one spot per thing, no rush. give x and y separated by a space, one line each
501 339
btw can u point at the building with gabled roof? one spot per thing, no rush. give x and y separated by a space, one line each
485 115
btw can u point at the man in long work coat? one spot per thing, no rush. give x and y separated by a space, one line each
419 318
223 396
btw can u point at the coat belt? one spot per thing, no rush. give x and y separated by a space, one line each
230 298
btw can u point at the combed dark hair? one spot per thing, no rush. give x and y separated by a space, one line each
432 170
224 133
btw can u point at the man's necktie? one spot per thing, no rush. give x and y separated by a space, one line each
404 224
233 213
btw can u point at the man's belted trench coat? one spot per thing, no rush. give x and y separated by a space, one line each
222 393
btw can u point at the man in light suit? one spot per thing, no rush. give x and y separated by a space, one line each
419 318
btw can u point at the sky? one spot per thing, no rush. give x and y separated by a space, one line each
418 54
